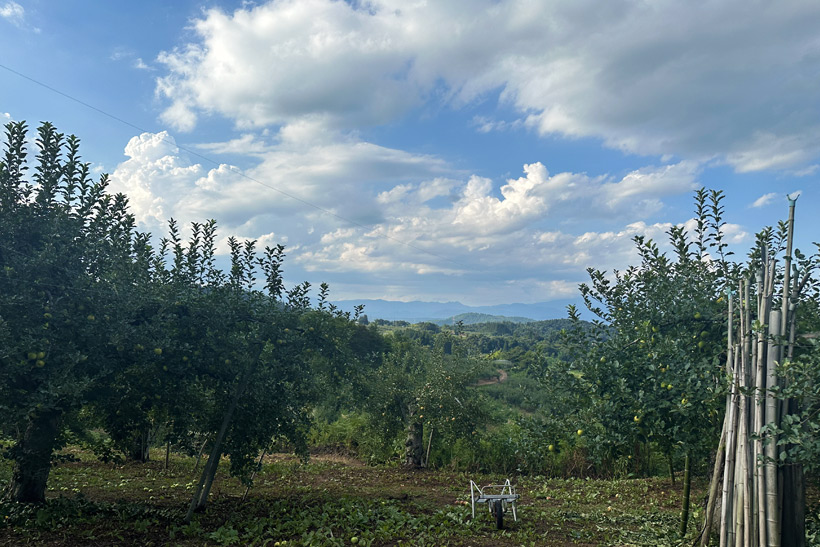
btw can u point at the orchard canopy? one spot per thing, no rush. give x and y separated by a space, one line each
118 341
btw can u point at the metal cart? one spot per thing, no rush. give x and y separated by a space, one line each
497 497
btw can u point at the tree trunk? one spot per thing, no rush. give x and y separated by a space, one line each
414 445
32 458
199 454
671 467
203 488
139 446
687 483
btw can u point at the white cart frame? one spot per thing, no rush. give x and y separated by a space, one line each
497 497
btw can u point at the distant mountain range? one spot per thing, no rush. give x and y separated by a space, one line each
437 312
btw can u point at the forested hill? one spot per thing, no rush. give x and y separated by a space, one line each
521 343
416 311
475 318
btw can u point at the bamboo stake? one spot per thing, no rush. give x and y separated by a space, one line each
713 487
729 508
429 444
772 513
784 306
766 288
747 333
728 494
255 469
746 475
747 470
740 465
728 436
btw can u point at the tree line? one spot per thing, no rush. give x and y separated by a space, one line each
111 340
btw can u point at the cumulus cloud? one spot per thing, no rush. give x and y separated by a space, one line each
279 62
764 200
156 179
292 179
651 79
13 13
538 194
460 227
356 208
141 65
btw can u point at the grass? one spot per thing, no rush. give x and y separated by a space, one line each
330 501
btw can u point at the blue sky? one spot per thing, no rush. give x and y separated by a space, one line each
485 151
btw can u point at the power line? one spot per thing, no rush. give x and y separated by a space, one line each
234 169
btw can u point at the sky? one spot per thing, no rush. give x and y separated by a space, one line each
481 151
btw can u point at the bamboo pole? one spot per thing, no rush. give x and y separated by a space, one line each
770 469
746 475
758 407
713 488
728 493
784 305
728 521
729 432
762 365
429 444
253 474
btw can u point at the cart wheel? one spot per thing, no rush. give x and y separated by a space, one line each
498 512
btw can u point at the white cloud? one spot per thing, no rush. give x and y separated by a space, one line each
141 65
472 230
358 209
156 179
122 53
277 63
483 124
578 196
651 79
764 200
6 116
806 171
13 12
293 179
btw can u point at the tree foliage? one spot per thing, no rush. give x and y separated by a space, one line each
96 322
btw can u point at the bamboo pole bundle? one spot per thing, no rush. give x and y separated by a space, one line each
753 486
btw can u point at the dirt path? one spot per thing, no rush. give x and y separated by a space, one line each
502 377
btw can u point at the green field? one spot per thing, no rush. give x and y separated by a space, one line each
330 501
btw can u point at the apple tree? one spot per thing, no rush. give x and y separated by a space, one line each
71 275
418 388
649 373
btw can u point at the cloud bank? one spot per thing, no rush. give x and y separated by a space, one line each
713 80
357 209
